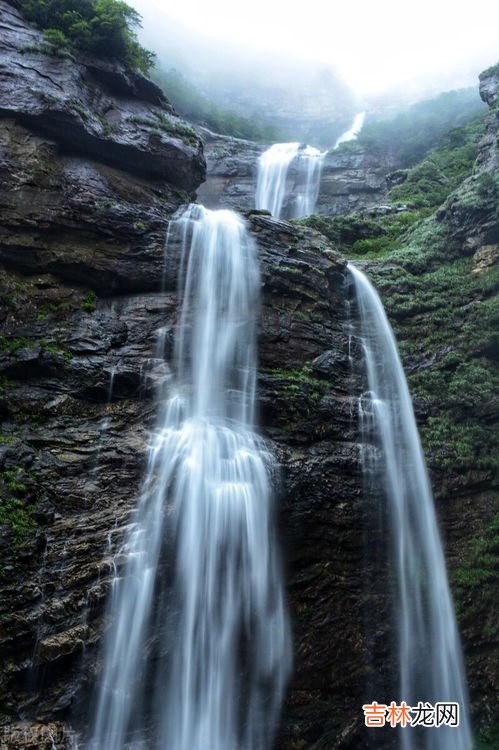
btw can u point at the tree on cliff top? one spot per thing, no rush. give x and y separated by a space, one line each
102 27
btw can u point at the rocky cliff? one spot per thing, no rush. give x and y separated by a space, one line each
93 164
352 179
439 284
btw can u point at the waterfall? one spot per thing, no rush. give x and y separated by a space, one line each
289 176
198 651
353 131
429 651
281 193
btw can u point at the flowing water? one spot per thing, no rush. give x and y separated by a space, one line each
289 176
284 194
271 186
353 131
430 662
198 647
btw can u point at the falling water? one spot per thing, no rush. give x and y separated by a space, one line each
277 191
309 169
273 167
353 131
198 649
430 663
289 176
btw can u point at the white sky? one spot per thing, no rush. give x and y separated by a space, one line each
375 45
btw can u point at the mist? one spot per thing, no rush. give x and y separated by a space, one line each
374 48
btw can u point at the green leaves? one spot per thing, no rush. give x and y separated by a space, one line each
101 27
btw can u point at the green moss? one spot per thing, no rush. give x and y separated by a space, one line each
109 128
15 512
89 301
299 382
161 122
488 739
13 344
77 107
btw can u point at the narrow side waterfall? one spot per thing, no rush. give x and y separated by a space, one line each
285 196
198 651
353 131
429 657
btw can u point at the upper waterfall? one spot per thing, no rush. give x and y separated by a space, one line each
289 176
429 650
198 652
353 131
285 195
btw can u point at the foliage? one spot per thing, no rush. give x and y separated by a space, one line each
171 125
14 512
412 133
430 182
194 106
101 27
370 236
13 344
492 71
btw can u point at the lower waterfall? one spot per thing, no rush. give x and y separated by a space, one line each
429 650
198 651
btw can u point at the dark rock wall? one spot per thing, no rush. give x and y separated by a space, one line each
93 163
351 179
84 216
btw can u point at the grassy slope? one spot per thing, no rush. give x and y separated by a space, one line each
443 307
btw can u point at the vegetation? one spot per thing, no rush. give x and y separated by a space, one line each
171 125
15 513
410 134
488 739
492 71
444 169
101 27
89 301
194 106
423 188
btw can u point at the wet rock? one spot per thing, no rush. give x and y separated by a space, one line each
93 108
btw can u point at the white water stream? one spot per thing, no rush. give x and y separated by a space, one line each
289 176
199 642
429 650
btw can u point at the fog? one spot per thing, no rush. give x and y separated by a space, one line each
374 47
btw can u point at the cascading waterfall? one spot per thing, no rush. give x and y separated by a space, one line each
272 191
353 131
289 176
199 647
430 662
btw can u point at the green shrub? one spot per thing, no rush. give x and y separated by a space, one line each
413 132
102 27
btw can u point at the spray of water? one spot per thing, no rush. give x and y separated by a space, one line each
199 645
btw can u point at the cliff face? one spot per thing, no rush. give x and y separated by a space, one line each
440 291
93 163
352 179
91 170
